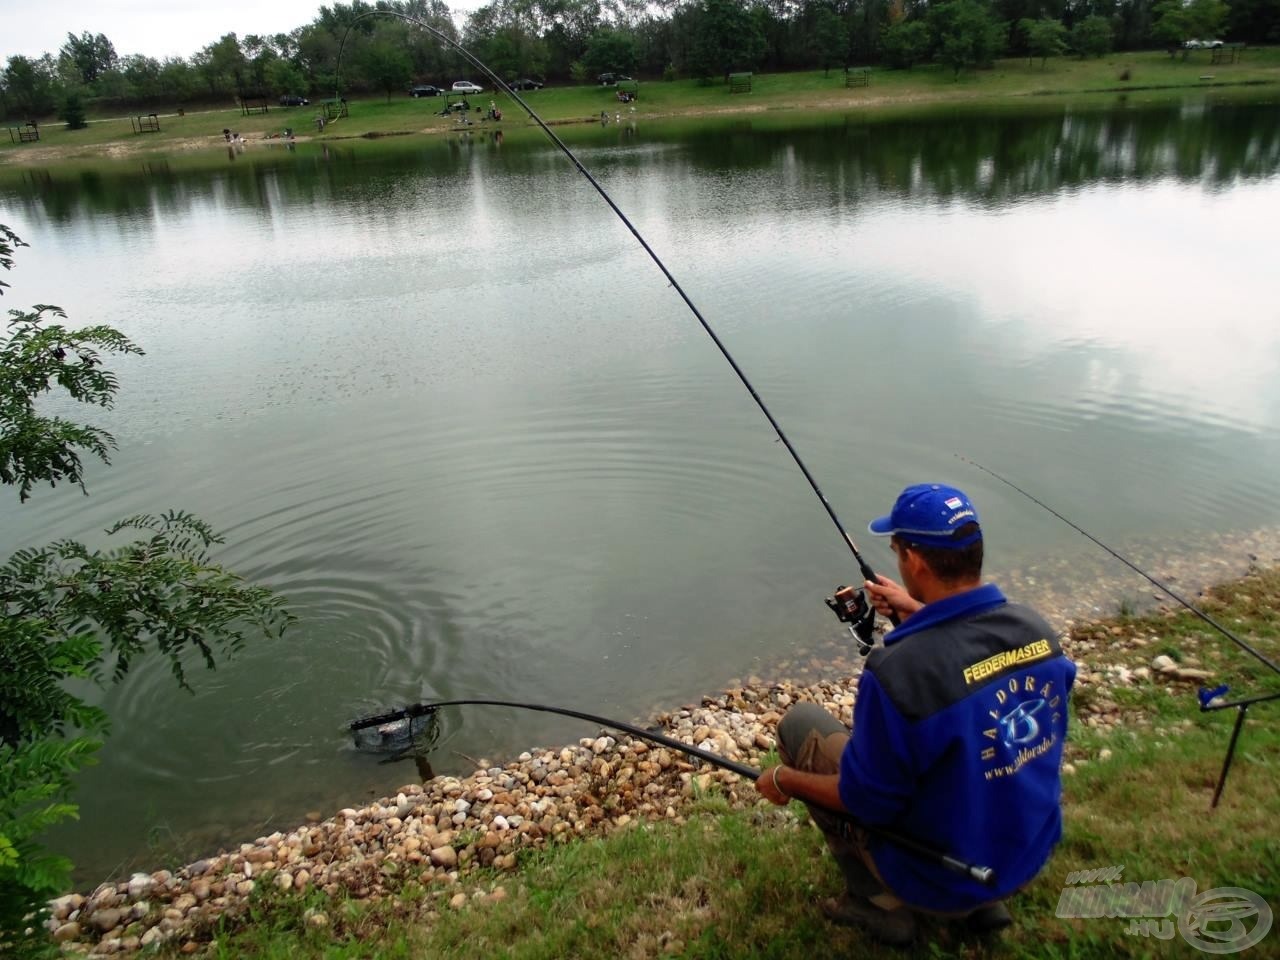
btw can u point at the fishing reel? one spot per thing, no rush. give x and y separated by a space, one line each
851 606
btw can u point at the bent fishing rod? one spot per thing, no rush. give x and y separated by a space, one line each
849 604
978 873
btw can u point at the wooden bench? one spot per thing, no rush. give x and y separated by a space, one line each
27 133
333 109
148 124
1227 53
739 83
252 102
857 78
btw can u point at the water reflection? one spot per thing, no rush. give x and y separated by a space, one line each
993 159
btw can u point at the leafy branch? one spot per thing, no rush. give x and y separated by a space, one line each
33 358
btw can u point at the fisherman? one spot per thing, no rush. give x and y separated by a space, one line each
957 737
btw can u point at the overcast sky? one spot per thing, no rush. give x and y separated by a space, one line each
157 28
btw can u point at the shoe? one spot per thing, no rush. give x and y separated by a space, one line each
989 919
897 928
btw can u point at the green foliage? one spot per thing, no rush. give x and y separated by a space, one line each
385 67
283 77
9 242
29 85
1045 38
1091 37
34 357
518 38
1176 23
505 35
73 111
830 41
160 592
35 782
87 57
966 33
723 37
68 613
905 43
609 51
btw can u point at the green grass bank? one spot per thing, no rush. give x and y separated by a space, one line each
1143 73
1141 769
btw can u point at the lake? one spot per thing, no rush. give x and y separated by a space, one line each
433 392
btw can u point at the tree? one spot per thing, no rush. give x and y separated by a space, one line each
179 79
830 41
724 37
69 613
1174 24
505 36
1091 37
905 43
283 77
1045 38
569 26
965 33
384 66
1254 21
29 84
73 111
609 51
87 56
223 66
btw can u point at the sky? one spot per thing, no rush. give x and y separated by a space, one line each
157 28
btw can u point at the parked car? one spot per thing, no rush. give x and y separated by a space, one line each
524 83
610 79
1202 44
466 86
424 90
291 101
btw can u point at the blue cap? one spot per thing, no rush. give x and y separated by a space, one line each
928 514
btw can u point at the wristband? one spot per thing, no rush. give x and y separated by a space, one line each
776 785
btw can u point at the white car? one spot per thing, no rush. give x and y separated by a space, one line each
1202 44
466 86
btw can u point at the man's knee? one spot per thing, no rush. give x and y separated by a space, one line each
802 721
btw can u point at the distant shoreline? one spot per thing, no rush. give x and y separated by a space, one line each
1151 75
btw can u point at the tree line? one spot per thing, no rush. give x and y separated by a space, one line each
574 40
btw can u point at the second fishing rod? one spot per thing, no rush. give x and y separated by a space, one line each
849 603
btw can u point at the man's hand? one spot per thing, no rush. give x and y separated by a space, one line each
768 786
890 598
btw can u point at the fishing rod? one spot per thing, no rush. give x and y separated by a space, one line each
1247 648
849 604
980 874
1209 698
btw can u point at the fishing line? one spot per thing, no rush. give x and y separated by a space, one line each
980 874
863 567
1247 648
1210 698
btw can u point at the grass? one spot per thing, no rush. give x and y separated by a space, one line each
789 92
744 883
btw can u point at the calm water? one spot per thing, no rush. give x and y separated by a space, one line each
435 394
